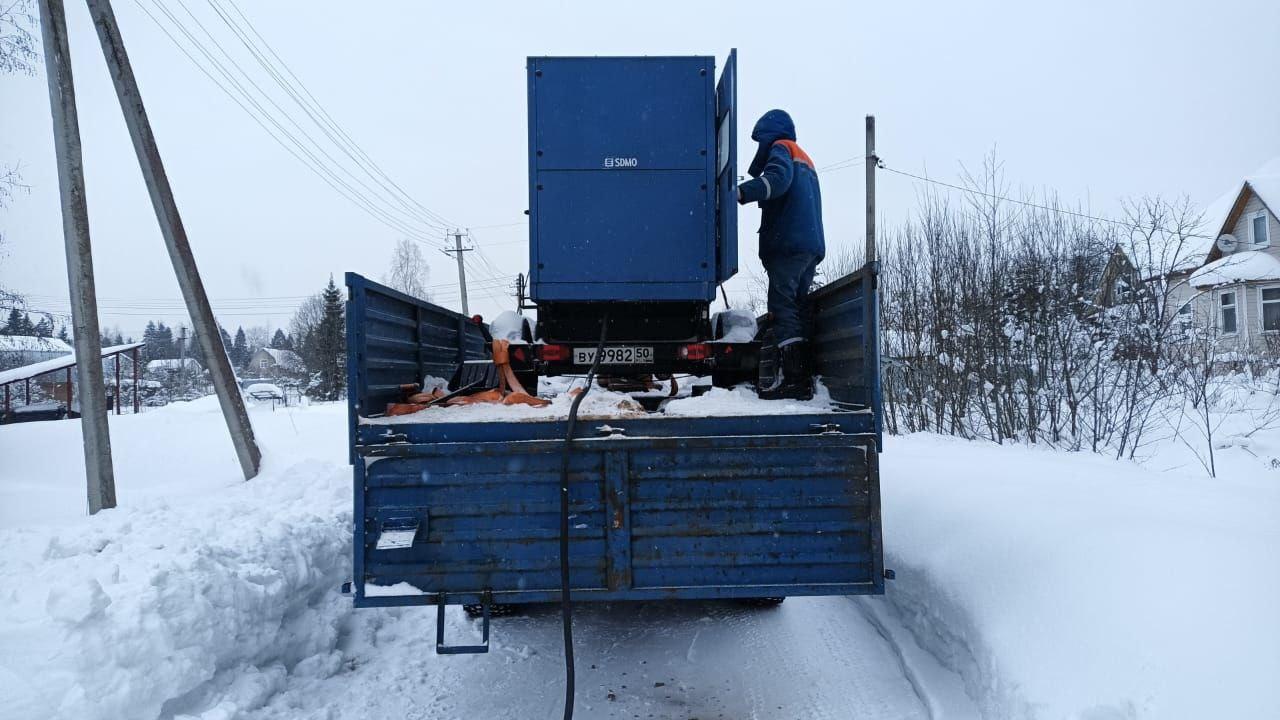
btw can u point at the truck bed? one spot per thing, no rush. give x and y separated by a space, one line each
663 505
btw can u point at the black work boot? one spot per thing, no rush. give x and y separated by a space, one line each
792 381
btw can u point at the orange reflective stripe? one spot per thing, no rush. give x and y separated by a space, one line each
797 154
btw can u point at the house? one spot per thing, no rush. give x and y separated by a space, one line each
19 350
273 363
169 367
1235 290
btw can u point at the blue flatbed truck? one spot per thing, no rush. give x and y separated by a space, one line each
663 507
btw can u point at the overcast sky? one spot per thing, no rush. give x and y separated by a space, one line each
1096 100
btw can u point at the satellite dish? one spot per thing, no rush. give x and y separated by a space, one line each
1227 242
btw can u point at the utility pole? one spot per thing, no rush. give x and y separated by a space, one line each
871 163
175 237
462 270
182 356
99 474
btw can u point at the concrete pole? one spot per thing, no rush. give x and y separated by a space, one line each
462 272
871 163
99 475
175 237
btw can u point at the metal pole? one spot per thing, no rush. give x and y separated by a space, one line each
100 478
175 236
27 385
136 405
871 163
117 368
462 273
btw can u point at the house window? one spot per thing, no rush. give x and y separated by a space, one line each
264 364
1227 303
1184 314
1260 238
1270 309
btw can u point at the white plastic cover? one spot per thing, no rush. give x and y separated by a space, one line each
508 325
738 325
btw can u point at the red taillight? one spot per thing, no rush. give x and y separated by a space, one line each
554 353
518 354
697 351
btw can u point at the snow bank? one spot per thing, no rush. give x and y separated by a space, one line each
165 605
1071 586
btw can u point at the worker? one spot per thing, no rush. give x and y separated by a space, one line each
785 183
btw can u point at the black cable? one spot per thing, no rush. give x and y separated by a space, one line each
566 608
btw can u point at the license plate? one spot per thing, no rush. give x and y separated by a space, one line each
620 355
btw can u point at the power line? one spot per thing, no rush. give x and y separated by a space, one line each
311 162
1038 206
321 117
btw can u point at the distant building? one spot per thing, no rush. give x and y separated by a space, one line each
273 363
1236 289
19 350
173 366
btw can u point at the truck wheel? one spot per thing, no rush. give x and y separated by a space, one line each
729 378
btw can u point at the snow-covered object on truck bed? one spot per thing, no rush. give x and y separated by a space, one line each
735 326
1247 266
508 326
602 404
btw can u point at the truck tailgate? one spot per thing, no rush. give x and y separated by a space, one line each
681 516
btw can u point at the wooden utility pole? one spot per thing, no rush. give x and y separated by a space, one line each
75 232
871 163
175 236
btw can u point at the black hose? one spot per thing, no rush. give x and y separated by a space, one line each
566 608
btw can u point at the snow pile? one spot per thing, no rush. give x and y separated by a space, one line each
1246 266
743 400
167 606
1071 586
736 326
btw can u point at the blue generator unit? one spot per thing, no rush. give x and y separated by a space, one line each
633 212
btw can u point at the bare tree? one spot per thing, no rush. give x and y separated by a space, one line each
409 270
17 55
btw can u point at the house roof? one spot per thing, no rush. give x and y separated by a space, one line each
174 364
31 343
1246 266
1222 214
58 363
287 359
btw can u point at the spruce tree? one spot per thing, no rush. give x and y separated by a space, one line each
329 342
14 324
240 349
279 341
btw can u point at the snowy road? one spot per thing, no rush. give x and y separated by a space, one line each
811 658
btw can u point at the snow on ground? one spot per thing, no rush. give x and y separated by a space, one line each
1072 586
207 597
1041 584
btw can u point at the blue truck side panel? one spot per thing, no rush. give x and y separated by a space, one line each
623 168
664 507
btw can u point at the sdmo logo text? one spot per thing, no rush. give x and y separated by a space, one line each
621 162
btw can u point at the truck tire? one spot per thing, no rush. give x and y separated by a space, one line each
730 378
